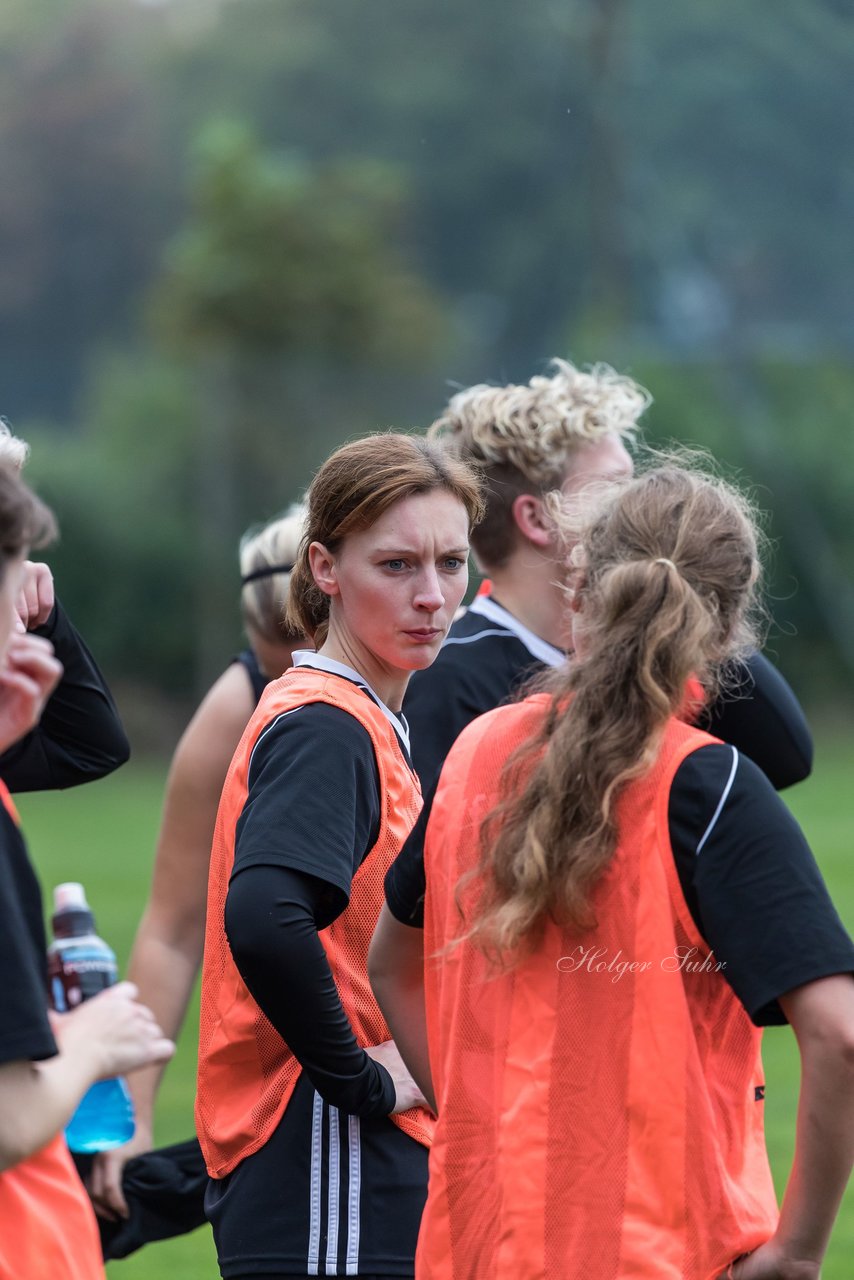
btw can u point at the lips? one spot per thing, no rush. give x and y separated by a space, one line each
425 634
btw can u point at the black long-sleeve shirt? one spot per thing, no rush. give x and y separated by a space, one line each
311 816
488 657
80 736
746 872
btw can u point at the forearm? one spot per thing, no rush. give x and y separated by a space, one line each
821 1014
396 969
167 952
824 1153
272 933
37 1099
164 968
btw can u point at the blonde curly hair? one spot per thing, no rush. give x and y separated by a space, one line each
13 450
526 435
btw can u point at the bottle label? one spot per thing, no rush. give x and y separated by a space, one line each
77 973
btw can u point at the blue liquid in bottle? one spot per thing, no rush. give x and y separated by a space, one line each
103 1119
80 964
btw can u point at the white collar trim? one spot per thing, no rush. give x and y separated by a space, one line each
319 662
537 647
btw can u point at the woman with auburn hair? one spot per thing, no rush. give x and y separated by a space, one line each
313 1131
616 903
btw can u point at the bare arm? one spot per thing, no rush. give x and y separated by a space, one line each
822 1017
168 948
108 1035
396 970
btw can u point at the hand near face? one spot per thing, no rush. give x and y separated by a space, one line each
28 677
36 596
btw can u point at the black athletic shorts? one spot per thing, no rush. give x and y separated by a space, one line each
327 1195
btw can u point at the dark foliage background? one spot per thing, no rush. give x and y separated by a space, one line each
234 233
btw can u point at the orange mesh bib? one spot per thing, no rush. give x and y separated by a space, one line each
247 1073
47 1225
600 1104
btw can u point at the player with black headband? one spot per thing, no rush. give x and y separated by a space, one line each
141 1198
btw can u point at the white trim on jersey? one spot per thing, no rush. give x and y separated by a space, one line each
262 735
717 813
333 1205
319 662
538 648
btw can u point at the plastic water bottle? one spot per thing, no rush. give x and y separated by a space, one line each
79 965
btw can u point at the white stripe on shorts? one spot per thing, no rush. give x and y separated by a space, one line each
314 1186
334 1190
332 1214
353 1195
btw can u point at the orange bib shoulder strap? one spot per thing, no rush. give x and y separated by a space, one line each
9 804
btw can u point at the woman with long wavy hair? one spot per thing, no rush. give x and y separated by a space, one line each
616 903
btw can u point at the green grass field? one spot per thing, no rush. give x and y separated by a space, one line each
104 835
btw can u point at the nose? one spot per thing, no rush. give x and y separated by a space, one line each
429 595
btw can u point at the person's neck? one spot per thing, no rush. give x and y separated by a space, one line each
531 592
388 684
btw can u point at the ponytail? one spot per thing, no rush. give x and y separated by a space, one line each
668 573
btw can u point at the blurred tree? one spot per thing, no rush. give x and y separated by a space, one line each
784 428
78 201
280 254
479 106
124 491
283 270
739 186
279 259
630 181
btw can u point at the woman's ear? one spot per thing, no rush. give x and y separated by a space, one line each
323 569
531 520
